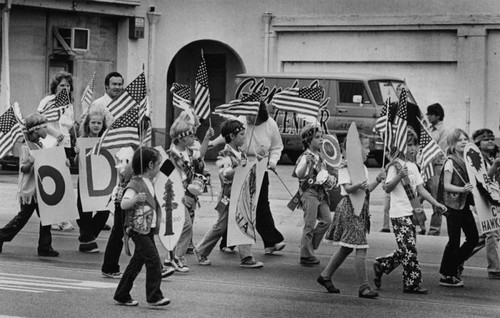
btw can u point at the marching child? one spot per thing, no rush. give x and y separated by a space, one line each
36 126
229 158
349 230
142 215
457 196
91 224
314 180
401 213
189 163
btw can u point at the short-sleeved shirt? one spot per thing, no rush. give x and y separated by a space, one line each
345 178
400 204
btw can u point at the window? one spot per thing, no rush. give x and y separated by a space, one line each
347 91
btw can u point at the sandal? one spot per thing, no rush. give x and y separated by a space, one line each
327 283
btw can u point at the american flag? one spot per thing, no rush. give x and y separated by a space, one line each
10 131
132 96
122 133
55 107
87 95
246 106
383 126
400 125
429 149
182 95
137 90
304 101
202 96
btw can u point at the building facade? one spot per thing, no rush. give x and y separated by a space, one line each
447 51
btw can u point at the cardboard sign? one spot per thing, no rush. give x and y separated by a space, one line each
169 193
54 186
247 182
98 175
488 214
355 167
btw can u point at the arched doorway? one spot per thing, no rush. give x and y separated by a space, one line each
223 63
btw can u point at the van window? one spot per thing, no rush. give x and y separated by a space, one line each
347 90
383 89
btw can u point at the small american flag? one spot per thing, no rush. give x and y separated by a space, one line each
56 107
10 131
137 90
429 149
133 95
182 96
87 95
401 124
122 133
202 96
304 101
383 126
246 106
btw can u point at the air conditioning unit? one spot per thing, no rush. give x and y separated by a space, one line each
74 39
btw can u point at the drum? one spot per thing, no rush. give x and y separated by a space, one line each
330 151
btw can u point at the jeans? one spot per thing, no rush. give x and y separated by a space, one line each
315 207
186 235
432 187
454 254
9 231
493 251
115 243
145 253
90 226
264 219
218 230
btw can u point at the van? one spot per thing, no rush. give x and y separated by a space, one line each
348 97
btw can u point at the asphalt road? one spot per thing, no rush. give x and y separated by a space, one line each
71 285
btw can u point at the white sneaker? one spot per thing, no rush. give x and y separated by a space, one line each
161 302
167 271
277 247
67 226
250 262
180 265
116 275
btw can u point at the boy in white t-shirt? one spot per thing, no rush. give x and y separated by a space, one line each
401 212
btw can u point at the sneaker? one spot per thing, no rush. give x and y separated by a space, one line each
275 248
161 302
327 283
48 253
451 281
309 261
89 247
227 249
190 250
67 226
168 263
250 262
180 265
56 227
117 275
377 269
106 227
202 259
167 271
129 302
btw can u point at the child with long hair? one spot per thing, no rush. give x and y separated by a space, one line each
36 125
349 230
455 191
142 217
90 224
401 212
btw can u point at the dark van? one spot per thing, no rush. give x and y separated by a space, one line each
348 98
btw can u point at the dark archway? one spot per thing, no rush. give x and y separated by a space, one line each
223 63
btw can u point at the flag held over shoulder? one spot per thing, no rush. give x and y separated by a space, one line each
181 95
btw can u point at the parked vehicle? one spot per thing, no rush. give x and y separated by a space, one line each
348 98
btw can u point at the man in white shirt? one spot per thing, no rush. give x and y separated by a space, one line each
113 85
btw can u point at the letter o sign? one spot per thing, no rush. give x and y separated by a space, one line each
60 187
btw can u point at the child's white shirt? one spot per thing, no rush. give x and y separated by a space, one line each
400 204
